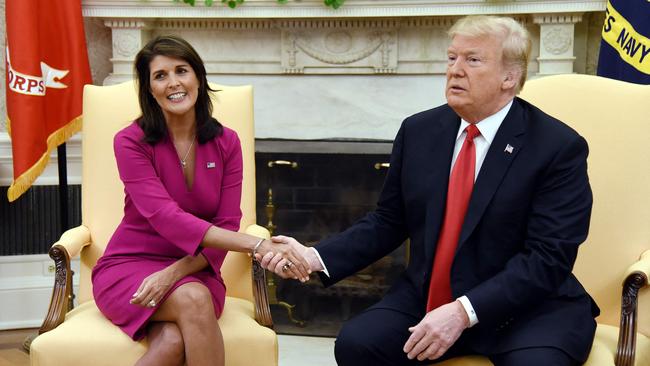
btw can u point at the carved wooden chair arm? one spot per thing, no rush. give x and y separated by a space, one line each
68 246
636 278
262 309
260 294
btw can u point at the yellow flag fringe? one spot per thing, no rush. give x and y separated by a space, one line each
22 183
8 126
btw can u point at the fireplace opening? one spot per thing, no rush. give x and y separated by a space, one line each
316 190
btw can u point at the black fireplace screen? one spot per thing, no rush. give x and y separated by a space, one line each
310 197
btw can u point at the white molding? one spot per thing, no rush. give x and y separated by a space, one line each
26 283
50 175
21 324
230 24
377 147
557 18
316 9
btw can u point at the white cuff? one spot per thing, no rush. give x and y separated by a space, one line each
321 262
469 309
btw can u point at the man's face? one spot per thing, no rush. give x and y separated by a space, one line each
477 84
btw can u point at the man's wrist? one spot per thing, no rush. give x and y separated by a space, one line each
469 310
321 265
463 314
315 262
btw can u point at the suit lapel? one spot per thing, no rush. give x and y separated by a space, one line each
441 148
506 145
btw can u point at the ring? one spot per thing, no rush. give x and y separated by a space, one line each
152 304
287 266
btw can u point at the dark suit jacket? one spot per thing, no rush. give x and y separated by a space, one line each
528 213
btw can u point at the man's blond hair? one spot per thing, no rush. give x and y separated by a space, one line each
515 39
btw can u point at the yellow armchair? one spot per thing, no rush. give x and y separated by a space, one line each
613 116
83 336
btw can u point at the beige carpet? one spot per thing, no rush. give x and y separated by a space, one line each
11 347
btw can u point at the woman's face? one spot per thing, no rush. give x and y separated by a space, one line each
174 85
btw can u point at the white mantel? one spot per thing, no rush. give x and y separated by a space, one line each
316 9
354 72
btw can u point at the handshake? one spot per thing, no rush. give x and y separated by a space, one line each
287 258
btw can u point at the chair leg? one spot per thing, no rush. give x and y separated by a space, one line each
27 343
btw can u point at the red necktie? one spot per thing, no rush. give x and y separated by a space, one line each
460 188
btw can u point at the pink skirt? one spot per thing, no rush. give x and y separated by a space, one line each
116 279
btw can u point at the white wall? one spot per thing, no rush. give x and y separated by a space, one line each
26 283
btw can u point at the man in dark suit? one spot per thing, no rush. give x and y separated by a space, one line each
494 196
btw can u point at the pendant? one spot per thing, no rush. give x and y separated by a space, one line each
183 163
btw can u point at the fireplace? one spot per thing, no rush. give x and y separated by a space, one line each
317 189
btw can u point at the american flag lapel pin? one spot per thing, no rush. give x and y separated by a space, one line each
508 149
211 165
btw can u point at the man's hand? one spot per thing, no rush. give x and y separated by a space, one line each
276 263
437 332
290 259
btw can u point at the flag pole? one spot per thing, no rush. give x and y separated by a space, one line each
63 186
63 214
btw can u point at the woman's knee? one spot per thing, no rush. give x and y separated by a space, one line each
194 299
167 339
171 336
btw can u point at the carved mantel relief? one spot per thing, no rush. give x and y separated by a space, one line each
556 42
339 46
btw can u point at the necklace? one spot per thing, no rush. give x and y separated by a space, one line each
184 159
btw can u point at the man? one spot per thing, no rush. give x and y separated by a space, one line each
494 196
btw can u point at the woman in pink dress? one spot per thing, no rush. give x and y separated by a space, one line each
182 172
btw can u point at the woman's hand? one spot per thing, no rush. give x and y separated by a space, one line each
288 257
153 288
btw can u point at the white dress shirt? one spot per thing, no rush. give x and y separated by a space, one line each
488 128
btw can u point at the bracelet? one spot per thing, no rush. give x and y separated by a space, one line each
256 247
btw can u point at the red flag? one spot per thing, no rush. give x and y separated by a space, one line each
46 69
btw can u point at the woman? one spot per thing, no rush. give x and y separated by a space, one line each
182 174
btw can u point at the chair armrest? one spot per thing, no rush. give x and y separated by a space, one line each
68 246
636 277
260 294
642 267
74 240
